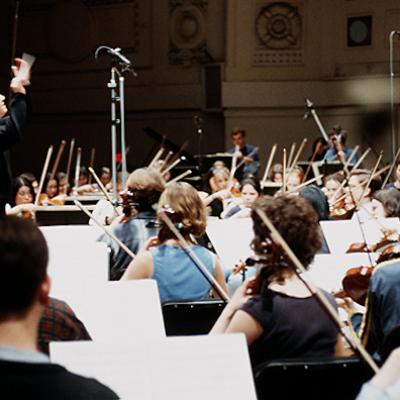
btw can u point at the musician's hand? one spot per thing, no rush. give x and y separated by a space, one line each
238 154
242 294
3 107
247 160
151 242
22 73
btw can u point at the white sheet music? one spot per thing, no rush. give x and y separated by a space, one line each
340 234
328 270
231 239
180 368
123 311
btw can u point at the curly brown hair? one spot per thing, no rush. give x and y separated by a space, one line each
188 211
296 221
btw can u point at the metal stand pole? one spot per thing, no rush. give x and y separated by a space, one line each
114 121
122 127
392 106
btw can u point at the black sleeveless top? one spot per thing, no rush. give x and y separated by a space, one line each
293 327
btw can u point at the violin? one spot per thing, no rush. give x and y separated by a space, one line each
356 282
342 211
44 200
389 237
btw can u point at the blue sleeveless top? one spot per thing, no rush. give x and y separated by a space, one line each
177 276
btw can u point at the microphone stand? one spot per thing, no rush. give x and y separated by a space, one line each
119 65
392 108
311 110
198 121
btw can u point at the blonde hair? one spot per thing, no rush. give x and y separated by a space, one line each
186 210
146 186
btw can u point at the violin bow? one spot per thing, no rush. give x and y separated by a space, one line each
91 165
196 261
58 158
391 169
71 152
297 156
44 172
105 230
103 189
298 187
157 157
327 306
233 167
284 171
381 171
180 177
310 162
269 163
77 167
291 153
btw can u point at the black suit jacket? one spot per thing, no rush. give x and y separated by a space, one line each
11 129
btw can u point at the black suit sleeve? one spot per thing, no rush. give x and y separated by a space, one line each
13 125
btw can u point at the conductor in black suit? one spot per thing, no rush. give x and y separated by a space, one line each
13 123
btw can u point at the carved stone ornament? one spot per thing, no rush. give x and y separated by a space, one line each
278 26
187 31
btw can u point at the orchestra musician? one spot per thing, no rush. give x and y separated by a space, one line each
275 310
13 123
139 221
22 197
166 261
246 152
337 150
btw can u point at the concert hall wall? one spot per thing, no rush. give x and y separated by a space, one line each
246 63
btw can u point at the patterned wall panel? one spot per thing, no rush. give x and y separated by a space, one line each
278 28
187 32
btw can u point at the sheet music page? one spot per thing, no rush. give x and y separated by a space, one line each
123 311
75 267
202 367
328 270
122 367
340 234
68 234
231 239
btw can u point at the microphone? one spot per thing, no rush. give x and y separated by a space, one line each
309 106
115 53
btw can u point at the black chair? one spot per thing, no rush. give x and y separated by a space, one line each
322 379
191 317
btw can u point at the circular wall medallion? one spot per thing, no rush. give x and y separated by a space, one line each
71 31
278 26
187 27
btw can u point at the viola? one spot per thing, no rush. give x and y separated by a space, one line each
342 211
45 200
389 237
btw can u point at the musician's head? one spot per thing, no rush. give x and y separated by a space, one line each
182 204
238 137
386 203
332 184
358 188
32 179
24 284
250 191
3 107
62 183
317 199
21 191
294 178
50 186
105 176
297 223
276 173
220 179
144 186
83 176
337 135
